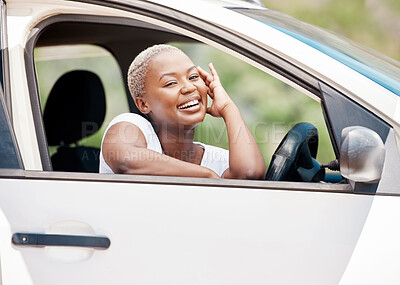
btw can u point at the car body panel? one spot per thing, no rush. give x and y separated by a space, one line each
188 234
376 246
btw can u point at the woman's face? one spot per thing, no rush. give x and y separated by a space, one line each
175 93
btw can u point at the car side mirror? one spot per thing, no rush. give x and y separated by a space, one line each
362 154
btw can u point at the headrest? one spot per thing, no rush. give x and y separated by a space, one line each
76 107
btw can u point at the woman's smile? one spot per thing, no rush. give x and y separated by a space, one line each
191 105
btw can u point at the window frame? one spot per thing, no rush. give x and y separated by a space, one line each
187 181
5 96
5 59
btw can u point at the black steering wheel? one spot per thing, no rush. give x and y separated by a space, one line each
294 159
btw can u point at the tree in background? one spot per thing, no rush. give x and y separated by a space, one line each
373 23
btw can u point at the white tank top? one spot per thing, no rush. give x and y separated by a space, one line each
214 158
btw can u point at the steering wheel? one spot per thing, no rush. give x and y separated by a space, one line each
294 159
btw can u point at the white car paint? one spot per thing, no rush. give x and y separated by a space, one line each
194 235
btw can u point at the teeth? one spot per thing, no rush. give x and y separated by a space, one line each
188 104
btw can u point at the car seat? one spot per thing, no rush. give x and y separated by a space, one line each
75 109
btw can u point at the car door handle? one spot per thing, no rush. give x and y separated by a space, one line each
41 240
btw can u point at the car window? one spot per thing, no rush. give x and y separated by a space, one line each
55 61
269 106
8 151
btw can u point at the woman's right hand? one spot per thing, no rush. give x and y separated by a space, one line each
221 100
245 158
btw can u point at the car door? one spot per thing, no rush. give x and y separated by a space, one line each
176 232
63 228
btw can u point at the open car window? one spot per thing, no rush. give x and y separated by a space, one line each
269 106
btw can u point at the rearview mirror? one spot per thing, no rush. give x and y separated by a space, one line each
362 154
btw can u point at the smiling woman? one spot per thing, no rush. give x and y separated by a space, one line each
172 93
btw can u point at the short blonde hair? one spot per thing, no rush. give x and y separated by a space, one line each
138 68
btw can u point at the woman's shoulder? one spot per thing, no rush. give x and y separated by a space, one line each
143 124
130 118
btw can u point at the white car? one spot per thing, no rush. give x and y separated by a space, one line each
61 224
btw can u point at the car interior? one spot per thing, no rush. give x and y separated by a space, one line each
79 93
75 99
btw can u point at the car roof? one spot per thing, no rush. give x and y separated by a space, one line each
233 3
377 67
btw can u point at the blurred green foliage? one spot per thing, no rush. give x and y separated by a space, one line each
373 23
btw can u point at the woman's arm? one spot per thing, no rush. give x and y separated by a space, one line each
245 158
125 151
